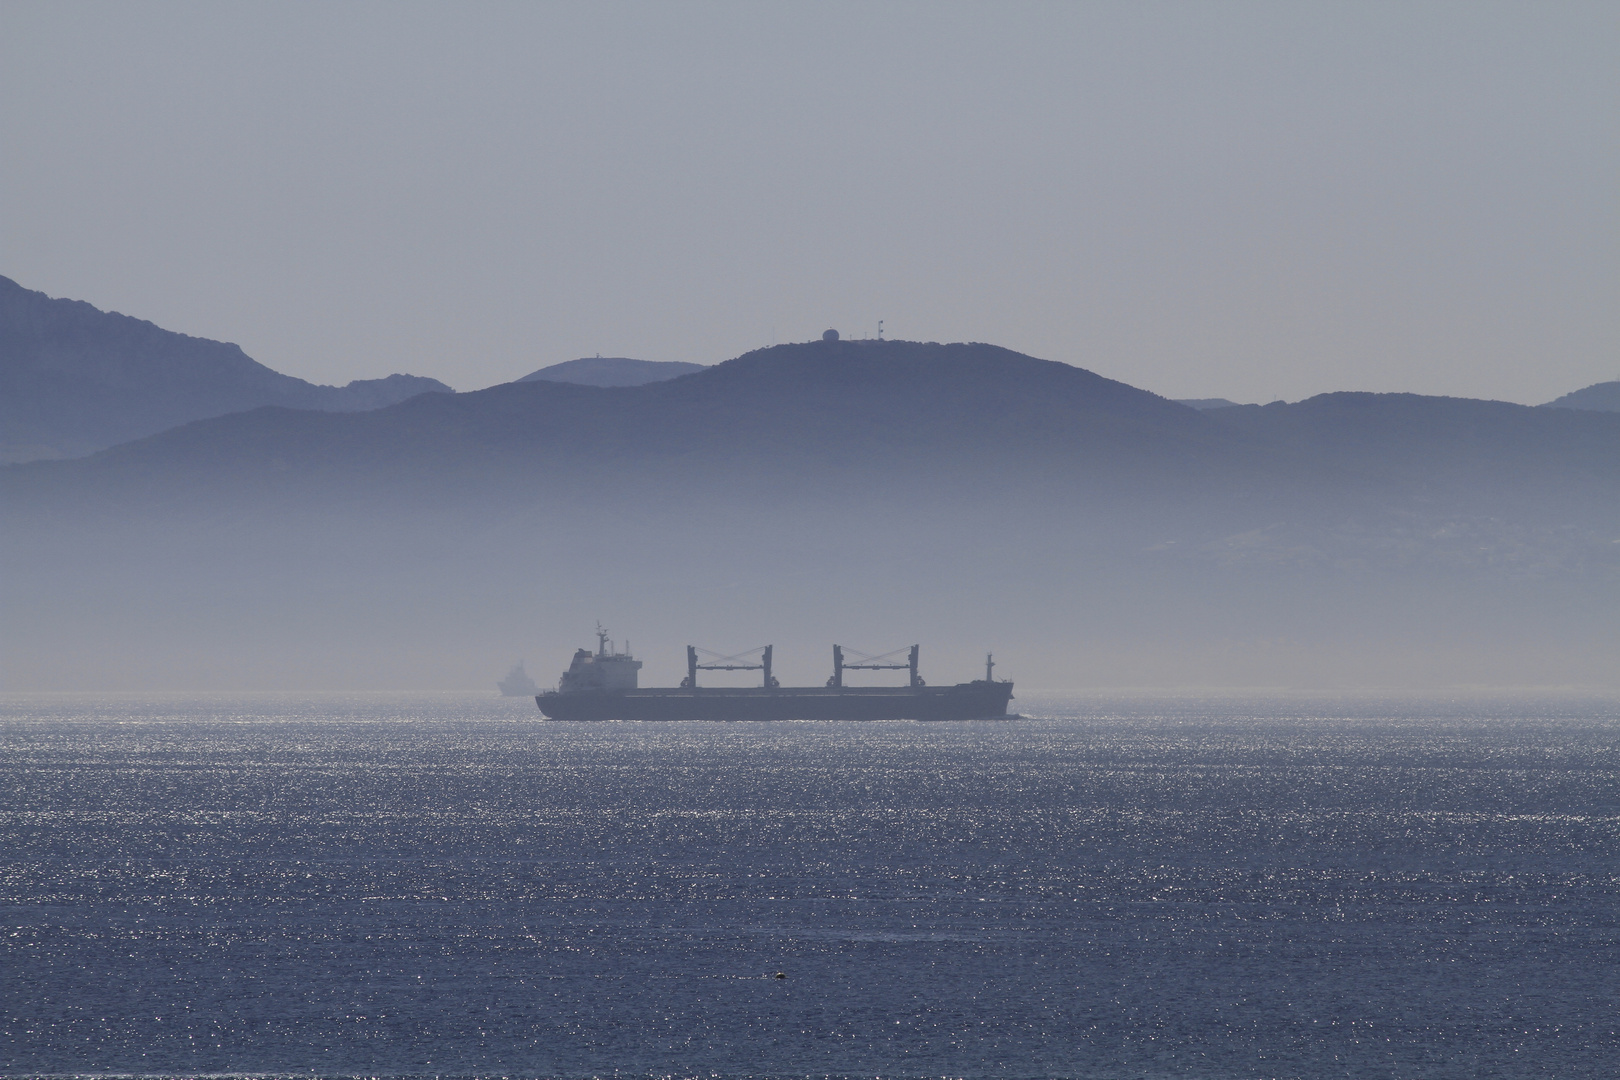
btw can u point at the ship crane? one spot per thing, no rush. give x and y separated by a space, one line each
884 662
737 662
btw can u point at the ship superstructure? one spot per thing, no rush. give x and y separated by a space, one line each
605 671
603 686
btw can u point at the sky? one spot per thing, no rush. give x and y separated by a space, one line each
1243 200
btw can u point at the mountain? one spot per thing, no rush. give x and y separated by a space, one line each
1206 403
888 419
890 424
1601 397
1447 445
849 418
74 379
612 371
872 493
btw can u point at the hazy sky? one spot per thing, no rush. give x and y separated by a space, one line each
1243 200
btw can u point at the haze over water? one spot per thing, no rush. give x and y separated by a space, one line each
1146 344
1117 887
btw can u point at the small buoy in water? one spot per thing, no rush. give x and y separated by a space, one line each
781 974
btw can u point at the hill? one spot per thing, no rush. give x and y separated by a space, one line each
1601 397
845 420
74 379
863 491
612 371
852 419
1447 446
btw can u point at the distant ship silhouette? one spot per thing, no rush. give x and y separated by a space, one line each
517 683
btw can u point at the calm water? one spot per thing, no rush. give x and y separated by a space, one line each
389 885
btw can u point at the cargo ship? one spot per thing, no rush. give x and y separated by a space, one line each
603 686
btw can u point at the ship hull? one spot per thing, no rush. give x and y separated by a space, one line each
965 701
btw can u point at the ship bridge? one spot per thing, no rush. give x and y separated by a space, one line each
606 669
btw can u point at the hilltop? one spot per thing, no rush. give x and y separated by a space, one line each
612 371
1602 397
75 379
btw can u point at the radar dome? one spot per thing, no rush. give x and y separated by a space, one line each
830 335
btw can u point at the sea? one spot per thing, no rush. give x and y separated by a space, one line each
1119 885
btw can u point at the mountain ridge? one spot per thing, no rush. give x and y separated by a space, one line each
75 379
612 371
820 407
886 425
1601 397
